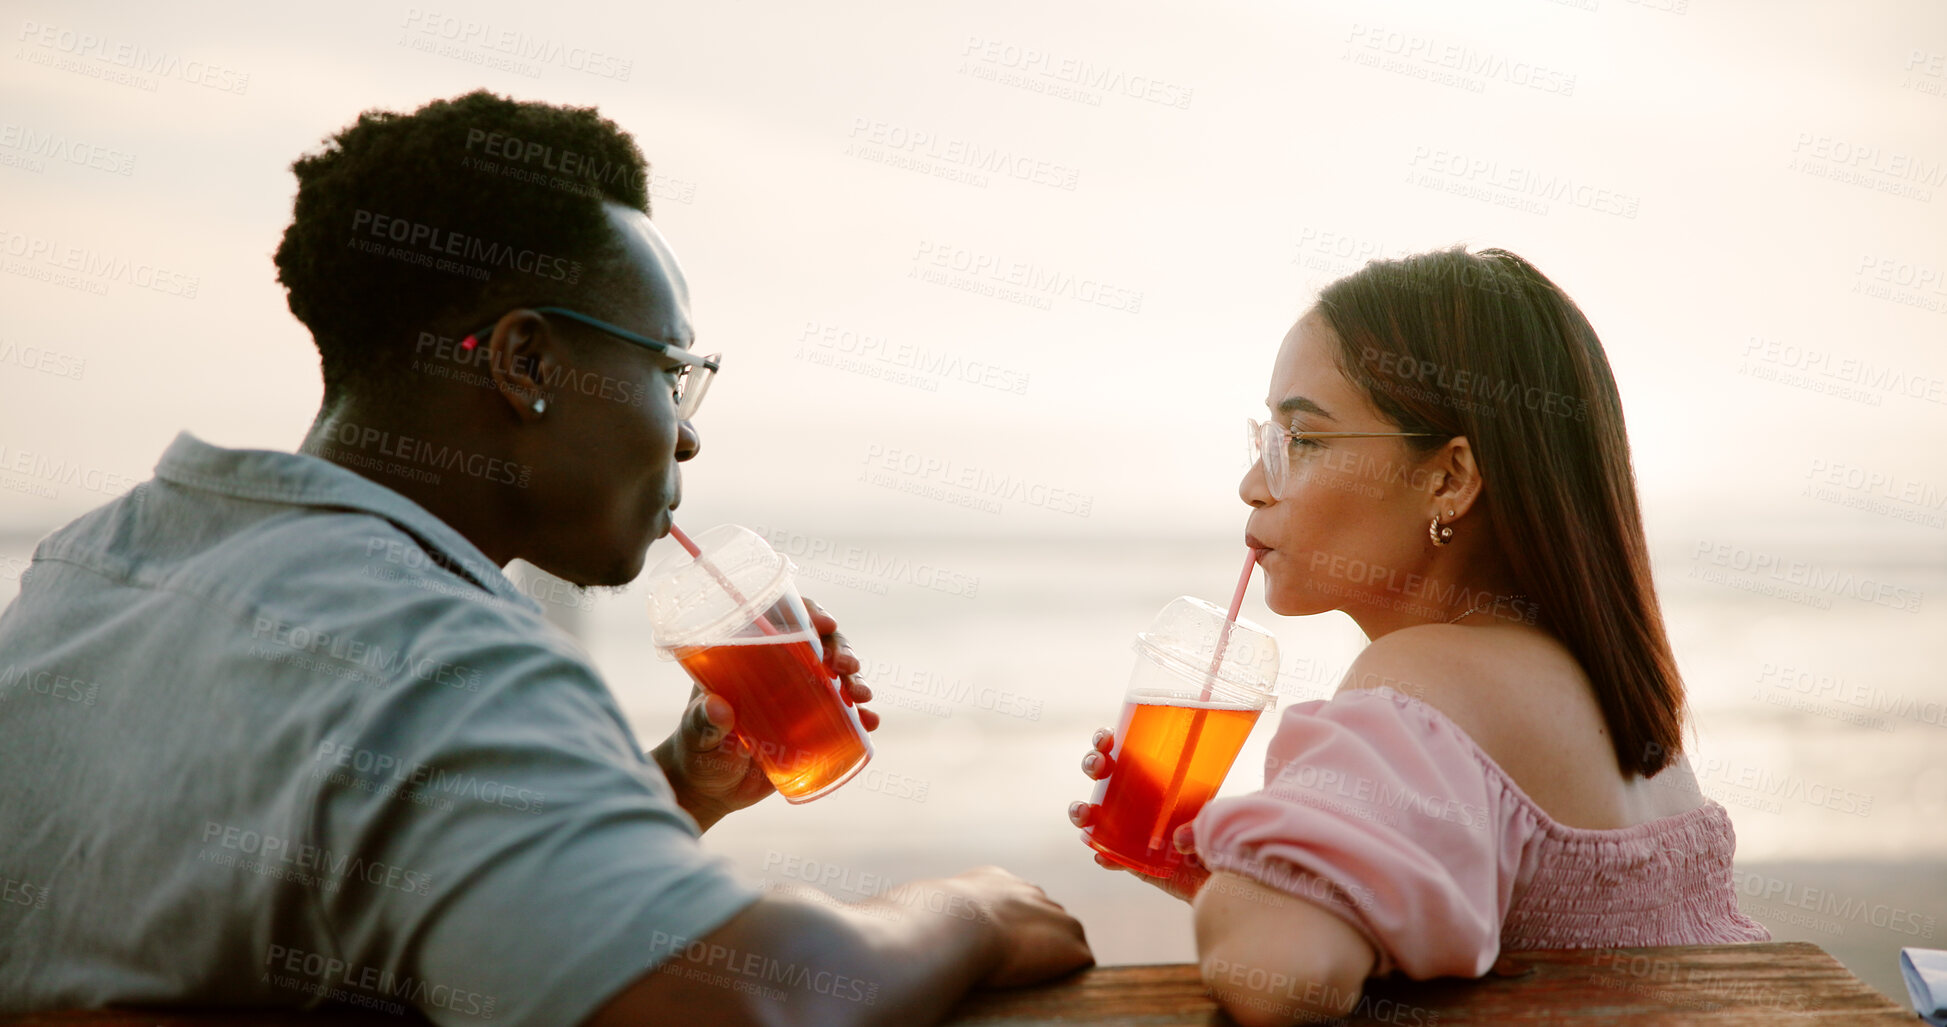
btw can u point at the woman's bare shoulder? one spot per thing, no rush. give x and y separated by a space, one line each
1485 677
1522 698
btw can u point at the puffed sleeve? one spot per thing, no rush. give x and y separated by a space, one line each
1378 808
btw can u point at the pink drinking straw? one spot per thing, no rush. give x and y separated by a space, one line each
1196 722
736 596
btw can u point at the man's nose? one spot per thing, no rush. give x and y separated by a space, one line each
688 443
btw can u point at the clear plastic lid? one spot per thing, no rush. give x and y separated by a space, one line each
704 601
1183 640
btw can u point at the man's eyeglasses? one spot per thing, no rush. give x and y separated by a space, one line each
1271 444
691 382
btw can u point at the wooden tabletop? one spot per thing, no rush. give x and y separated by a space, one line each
1653 987
1649 987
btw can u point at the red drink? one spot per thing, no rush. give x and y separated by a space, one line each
1149 745
807 739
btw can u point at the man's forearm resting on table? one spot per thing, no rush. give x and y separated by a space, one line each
1272 958
797 957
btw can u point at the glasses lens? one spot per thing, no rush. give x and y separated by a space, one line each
1267 449
1277 452
690 388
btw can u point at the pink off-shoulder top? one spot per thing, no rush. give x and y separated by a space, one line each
1380 809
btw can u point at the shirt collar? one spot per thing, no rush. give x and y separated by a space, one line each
301 480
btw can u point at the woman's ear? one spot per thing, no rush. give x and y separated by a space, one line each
1455 482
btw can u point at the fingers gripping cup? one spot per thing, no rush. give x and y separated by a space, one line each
732 616
1198 687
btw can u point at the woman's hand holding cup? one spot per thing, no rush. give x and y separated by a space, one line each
1189 876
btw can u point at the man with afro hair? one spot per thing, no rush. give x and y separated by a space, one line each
276 729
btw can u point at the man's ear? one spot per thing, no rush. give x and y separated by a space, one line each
1456 480
525 355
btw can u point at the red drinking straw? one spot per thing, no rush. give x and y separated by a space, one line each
1171 793
737 597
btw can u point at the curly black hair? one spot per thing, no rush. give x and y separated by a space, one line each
404 221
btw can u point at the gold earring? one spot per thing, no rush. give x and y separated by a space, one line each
1440 534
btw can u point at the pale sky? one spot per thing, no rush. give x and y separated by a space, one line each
1782 161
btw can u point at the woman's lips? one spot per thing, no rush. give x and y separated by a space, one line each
1256 546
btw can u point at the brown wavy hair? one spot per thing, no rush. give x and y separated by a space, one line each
1483 345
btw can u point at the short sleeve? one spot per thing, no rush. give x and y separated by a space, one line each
1382 811
496 848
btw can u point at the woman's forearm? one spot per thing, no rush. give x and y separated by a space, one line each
1272 958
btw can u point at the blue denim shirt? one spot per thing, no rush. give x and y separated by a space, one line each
272 733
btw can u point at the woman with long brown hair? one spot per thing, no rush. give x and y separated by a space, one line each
1445 461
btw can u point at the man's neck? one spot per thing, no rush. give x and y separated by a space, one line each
415 456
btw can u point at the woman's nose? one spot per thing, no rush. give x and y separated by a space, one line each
688 443
1252 489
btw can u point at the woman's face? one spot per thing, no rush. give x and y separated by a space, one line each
1351 527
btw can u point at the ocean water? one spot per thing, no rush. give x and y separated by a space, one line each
1818 719
1819 727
